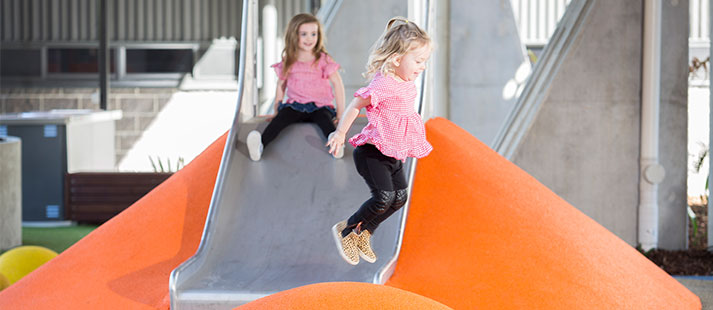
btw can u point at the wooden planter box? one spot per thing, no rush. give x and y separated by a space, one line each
95 197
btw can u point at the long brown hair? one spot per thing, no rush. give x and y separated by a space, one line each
292 37
399 37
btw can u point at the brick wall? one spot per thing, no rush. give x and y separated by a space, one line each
139 106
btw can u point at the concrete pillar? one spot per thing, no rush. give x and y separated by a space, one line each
487 66
10 193
673 125
584 142
349 42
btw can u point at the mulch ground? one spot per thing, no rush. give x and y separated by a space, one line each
683 263
696 261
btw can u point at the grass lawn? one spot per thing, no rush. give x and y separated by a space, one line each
57 239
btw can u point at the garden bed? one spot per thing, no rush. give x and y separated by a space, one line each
95 197
696 260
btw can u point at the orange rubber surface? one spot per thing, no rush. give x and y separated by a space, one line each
126 262
483 234
344 295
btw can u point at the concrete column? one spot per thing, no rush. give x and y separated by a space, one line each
270 55
10 193
584 141
673 125
485 56
349 42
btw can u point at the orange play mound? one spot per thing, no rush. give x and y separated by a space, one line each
483 234
344 295
125 263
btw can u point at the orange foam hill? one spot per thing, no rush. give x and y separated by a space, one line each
344 295
126 262
481 234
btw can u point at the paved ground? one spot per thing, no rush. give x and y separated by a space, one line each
702 288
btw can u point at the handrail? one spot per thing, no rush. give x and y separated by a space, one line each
248 29
327 12
426 82
528 104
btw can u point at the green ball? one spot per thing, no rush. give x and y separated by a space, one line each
20 261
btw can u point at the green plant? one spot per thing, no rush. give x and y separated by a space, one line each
697 64
158 165
532 56
697 165
699 161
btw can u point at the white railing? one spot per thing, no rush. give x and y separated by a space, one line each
537 20
699 21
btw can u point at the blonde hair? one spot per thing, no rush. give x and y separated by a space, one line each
292 38
399 37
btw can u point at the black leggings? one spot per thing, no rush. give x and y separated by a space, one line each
287 116
387 181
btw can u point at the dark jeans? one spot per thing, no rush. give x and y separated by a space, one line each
287 116
387 181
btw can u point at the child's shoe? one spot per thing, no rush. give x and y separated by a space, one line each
340 151
255 145
346 245
363 243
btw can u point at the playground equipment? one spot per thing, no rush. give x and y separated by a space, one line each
481 234
268 226
4 282
18 262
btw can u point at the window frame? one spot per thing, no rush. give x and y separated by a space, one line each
43 58
153 76
119 77
66 75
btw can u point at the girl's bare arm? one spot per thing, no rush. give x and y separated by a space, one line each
350 114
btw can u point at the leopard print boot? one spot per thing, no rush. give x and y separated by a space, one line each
346 245
363 243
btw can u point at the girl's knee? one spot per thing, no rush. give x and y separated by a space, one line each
383 200
400 197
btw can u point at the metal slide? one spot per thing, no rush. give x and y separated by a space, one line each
268 228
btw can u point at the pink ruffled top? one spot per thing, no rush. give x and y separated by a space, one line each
394 127
309 82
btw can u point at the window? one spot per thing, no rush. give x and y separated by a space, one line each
21 62
75 60
159 60
76 64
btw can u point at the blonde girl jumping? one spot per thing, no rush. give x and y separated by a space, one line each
395 131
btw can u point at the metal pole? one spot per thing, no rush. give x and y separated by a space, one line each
103 55
652 173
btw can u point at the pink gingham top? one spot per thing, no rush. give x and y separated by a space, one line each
309 82
394 127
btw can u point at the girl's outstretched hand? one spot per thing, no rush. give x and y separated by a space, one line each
335 142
